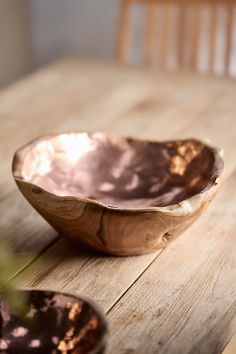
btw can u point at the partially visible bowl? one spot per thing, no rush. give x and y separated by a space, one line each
118 195
52 323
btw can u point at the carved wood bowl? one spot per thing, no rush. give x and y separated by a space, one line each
118 195
52 323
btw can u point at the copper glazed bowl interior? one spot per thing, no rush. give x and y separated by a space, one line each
119 172
52 323
116 195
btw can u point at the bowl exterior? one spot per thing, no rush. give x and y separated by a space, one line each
110 230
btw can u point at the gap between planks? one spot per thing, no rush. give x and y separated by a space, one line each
135 280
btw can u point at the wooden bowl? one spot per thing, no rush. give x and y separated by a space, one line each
52 323
117 195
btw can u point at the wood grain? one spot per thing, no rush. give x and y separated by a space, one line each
190 308
80 272
168 299
123 221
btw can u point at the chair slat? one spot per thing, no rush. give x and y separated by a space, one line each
181 34
150 34
228 36
123 42
188 39
196 36
165 34
212 37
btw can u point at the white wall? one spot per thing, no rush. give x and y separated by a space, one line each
15 48
77 27
36 32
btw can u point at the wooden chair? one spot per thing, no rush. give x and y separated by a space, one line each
184 20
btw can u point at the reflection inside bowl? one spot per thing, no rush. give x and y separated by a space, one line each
119 171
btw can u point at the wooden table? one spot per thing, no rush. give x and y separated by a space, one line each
180 300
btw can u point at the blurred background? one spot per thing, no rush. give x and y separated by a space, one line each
36 32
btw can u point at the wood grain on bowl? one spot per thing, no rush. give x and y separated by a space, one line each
121 196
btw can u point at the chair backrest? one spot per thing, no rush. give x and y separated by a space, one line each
179 30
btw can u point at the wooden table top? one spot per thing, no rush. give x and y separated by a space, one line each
180 300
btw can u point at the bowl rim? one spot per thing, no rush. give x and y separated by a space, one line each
184 207
92 304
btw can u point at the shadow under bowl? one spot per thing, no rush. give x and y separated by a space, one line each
52 323
118 195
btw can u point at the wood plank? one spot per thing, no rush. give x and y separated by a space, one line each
186 300
16 214
102 278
